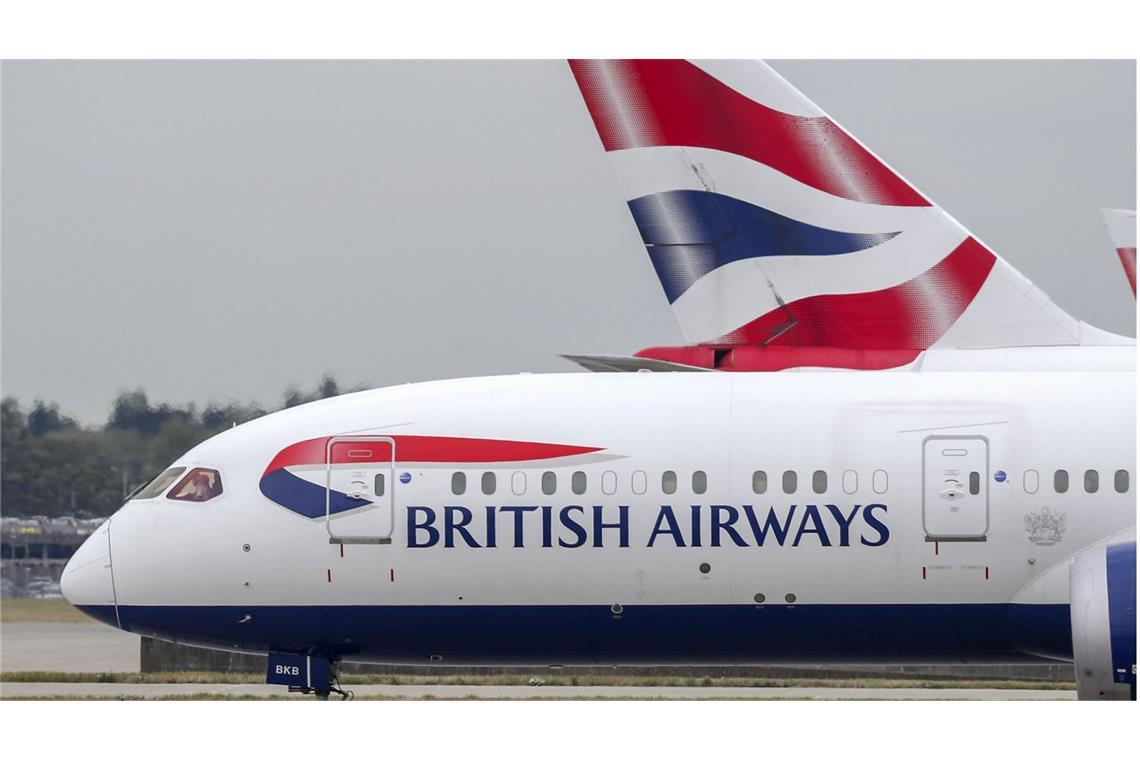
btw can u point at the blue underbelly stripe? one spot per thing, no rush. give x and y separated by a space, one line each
585 634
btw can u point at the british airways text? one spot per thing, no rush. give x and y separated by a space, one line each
714 525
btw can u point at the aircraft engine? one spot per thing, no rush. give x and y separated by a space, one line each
1102 587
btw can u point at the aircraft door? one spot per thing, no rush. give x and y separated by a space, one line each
359 498
955 488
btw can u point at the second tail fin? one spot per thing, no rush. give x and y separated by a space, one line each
1122 231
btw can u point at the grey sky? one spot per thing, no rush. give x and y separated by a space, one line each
221 230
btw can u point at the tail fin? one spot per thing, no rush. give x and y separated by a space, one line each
1122 231
768 224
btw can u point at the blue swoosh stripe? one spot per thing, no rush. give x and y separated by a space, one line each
689 233
303 497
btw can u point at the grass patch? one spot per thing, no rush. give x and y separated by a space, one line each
40 611
350 680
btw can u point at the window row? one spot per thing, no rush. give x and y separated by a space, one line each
639 481
790 481
1031 481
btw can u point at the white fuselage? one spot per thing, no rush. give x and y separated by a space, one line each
916 494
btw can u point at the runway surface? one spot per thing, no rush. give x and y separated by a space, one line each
156 691
68 648
96 648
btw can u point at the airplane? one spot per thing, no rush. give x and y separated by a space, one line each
1121 226
975 505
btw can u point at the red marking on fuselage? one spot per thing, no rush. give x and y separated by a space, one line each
757 358
392 575
924 572
423 448
329 574
987 572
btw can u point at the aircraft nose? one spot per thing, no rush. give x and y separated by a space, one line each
87 582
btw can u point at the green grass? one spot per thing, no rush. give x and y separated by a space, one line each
615 680
40 611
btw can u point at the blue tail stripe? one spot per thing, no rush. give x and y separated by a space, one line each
689 233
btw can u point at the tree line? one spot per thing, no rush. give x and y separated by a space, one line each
51 465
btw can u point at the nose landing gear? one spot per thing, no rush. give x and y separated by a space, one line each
305 674
332 687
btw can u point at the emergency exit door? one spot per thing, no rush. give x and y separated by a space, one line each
955 487
359 489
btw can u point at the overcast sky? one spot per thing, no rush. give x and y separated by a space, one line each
213 231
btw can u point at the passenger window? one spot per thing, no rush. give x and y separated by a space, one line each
609 482
850 481
700 481
1061 481
378 486
790 481
975 483
1031 481
518 483
759 481
488 483
200 484
1092 481
549 483
578 482
638 482
1120 481
819 481
669 482
458 483
879 481
160 484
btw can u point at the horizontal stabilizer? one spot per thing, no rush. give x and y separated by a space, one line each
601 363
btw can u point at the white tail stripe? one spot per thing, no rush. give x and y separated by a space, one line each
997 317
652 170
1121 226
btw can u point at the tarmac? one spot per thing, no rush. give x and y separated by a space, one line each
96 648
382 691
68 648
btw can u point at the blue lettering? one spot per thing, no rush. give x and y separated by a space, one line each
811 512
565 518
490 527
451 527
880 528
546 528
844 522
665 514
719 524
695 522
760 533
622 525
414 526
518 513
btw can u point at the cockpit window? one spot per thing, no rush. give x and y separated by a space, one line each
158 485
200 484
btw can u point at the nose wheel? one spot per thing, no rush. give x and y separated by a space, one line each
322 693
306 674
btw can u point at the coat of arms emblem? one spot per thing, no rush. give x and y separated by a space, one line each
1045 527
